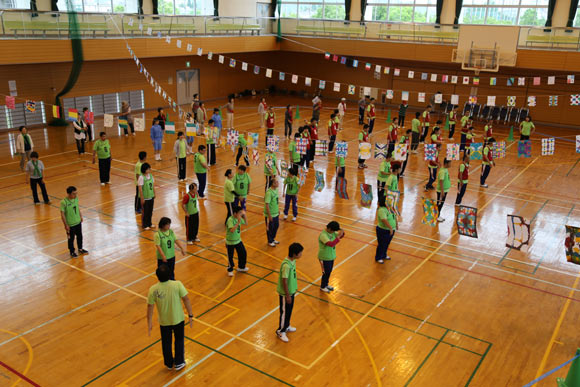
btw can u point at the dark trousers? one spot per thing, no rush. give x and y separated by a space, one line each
401 119
340 172
167 333
287 129
441 196
326 271
424 133
137 200
75 231
272 228
201 179
462 144
384 238
371 125
147 213
90 132
240 153
170 264
241 251
288 199
316 115
126 130
331 143
451 130
391 149
432 177
404 166
285 313
414 140
33 184
80 146
229 209
524 138
361 115
381 189
311 154
269 132
192 226
484 173
105 170
241 202
211 154
181 168
460 193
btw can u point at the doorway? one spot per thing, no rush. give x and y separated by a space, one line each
187 85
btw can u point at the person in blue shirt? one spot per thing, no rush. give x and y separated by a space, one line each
217 120
157 138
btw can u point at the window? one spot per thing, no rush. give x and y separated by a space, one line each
100 6
577 19
508 12
18 4
314 9
185 7
409 11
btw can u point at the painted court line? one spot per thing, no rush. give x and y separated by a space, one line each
21 376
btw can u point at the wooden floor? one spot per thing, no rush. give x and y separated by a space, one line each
447 310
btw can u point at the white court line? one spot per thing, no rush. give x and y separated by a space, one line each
43 156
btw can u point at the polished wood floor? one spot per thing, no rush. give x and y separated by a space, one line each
448 310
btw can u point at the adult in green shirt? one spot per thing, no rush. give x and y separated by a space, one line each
487 161
165 241
200 168
384 172
191 209
270 167
229 192
234 240
294 155
386 226
287 287
71 216
527 127
242 181
168 295
443 185
242 150
327 241
415 124
339 164
180 150
272 213
146 184
291 188
102 150
137 172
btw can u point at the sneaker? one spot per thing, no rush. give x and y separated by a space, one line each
457 204
325 290
285 217
244 270
329 287
483 185
294 219
152 226
272 244
83 251
282 336
108 182
276 242
290 329
147 228
440 219
380 261
73 255
134 134
179 366
48 202
102 183
189 242
169 368
163 142
37 203
365 166
388 258
138 212
230 273
197 240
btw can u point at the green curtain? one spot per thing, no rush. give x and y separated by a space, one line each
216 6
439 9
572 13
347 5
279 6
551 6
363 8
458 5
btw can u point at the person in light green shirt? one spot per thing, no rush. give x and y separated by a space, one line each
462 179
146 184
527 127
242 150
168 295
72 219
180 150
452 118
443 185
294 155
287 288
165 241
102 150
242 181
392 183
229 192
234 240
189 203
137 172
270 167
385 230
384 171
327 241
487 162
272 213
415 132
291 188
200 168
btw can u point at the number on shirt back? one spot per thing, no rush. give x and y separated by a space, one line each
105 149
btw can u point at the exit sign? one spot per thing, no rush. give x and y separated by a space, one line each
187 64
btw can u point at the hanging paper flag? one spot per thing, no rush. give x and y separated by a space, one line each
421 97
472 99
336 87
190 129
511 100
454 79
476 80
537 81
256 70
452 152
327 55
553 100
518 232
294 78
366 90
335 58
551 80
232 63
189 47
386 70
55 111
244 66
466 80
438 98
282 76
307 81
178 43
491 100
401 152
404 96
511 81
575 99
397 72
355 63
302 146
221 59
381 150
531 100
445 78
570 79
31 106
209 55
367 66
319 177
498 150
321 84
521 81
430 212
390 94
168 39
10 102
377 68
130 22
411 74
343 60
454 99
73 115
433 77
492 81
169 127
548 145
108 120
351 89
578 144
424 76
525 149
268 73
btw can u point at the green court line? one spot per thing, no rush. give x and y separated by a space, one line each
573 166
478 365
239 361
426 358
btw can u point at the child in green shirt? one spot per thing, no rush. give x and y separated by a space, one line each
272 213
71 216
415 132
294 155
102 150
200 166
180 150
234 240
443 185
291 188
327 241
242 150
189 205
146 185
287 288
270 167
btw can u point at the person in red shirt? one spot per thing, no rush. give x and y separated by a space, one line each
462 179
393 134
270 122
313 128
189 205
332 131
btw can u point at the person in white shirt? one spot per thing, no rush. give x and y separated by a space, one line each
80 129
341 112
262 108
24 146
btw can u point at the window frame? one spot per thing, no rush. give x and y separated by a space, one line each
322 3
519 14
414 4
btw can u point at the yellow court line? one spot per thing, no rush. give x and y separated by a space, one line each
400 283
557 329
30 354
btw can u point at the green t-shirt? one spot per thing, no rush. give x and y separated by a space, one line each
71 210
392 183
182 149
452 116
167 296
228 188
271 199
273 171
233 238
443 175
292 185
464 120
148 187
241 184
192 205
486 152
103 149
326 253
384 171
198 159
137 171
384 213
288 271
526 127
339 161
242 143
425 121
292 149
415 123
165 240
